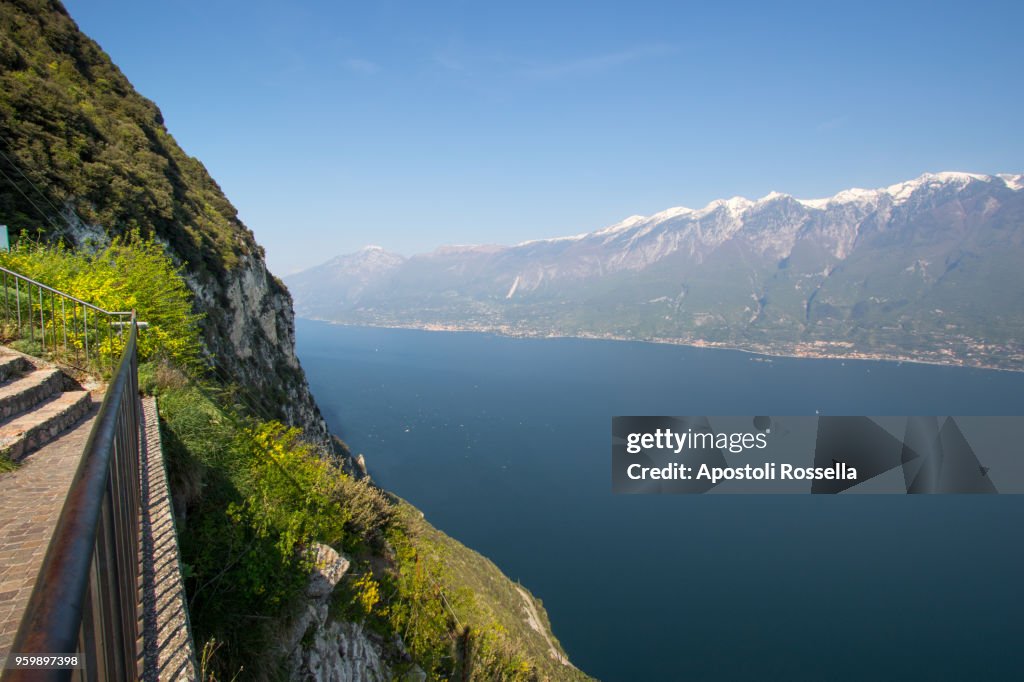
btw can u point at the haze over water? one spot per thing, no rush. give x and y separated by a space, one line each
505 445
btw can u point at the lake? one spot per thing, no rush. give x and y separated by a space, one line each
505 445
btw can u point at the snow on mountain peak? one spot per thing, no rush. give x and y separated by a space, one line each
734 206
670 213
375 254
772 196
855 194
629 222
1014 182
954 176
814 203
901 191
770 225
570 238
738 203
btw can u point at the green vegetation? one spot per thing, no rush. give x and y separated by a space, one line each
459 600
255 498
84 156
129 273
6 464
73 124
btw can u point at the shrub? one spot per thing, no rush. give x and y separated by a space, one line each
369 510
129 273
288 488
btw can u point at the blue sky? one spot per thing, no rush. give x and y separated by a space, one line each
332 125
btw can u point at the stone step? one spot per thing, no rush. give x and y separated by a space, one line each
21 395
26 432
31 499
13 366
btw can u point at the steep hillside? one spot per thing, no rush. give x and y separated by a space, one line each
926 269
83 156
262 512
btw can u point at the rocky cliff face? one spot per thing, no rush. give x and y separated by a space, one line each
321 649
85 157
250 333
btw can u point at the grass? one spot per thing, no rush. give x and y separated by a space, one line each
485 599
6 463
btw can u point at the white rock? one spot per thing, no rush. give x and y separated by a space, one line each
329 567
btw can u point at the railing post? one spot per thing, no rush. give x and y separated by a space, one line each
42 323
17 299
85 316
31 329
93 664
53 320
74 326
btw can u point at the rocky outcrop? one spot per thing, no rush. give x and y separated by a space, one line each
322 649
250 333
338 652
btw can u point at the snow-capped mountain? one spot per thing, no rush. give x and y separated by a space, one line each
911 269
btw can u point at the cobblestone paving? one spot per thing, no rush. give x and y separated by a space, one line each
167 652
30 502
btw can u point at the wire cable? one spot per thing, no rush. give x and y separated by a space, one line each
38 190
29 200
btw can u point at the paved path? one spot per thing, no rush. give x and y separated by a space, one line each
167 652
30 502
31 499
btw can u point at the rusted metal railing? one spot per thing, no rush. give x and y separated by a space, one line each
86 599
65 327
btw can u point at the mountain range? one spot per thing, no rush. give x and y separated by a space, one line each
927 270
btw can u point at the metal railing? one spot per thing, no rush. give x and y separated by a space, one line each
61 323
86 597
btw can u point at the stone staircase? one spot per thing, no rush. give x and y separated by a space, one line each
38 402
45 420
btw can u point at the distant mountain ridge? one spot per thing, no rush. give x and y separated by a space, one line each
926 269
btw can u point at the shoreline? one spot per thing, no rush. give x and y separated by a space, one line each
697 344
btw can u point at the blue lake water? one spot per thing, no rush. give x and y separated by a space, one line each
505 445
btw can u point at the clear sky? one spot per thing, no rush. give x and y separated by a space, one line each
333 125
